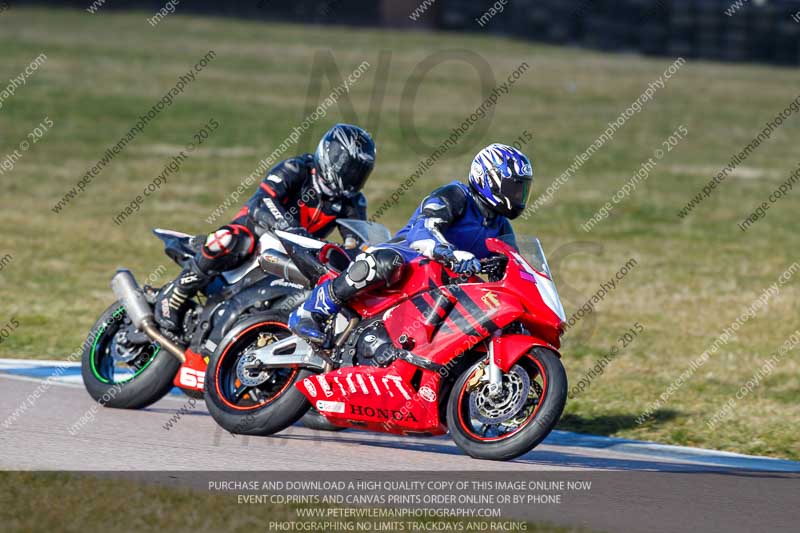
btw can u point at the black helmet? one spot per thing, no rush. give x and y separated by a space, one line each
344 158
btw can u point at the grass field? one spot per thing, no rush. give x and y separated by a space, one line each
693 276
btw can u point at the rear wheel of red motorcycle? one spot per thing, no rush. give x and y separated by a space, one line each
264 403
513 422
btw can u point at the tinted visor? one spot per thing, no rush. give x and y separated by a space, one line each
354 175
517 189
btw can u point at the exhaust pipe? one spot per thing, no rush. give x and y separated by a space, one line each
128 292
281 265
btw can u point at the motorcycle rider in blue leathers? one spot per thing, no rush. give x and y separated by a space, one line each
451 225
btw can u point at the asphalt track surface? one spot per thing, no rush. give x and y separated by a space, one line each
637 486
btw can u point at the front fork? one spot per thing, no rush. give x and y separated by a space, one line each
494 372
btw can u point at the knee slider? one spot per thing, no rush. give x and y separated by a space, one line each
226 248
372 268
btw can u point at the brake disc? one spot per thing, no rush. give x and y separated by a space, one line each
248 368
121 350
498 408
249 372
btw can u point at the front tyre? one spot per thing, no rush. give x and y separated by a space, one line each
511 423
243 399
121 374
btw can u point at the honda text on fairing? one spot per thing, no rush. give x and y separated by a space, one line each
435 352
130 362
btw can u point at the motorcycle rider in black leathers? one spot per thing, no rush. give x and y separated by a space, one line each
303 195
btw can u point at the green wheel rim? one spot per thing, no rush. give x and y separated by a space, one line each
116 315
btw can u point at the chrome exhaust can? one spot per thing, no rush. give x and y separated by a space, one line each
132 299
131 296
281 265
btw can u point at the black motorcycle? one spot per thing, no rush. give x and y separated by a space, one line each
129 363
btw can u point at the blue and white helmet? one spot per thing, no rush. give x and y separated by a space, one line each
502 177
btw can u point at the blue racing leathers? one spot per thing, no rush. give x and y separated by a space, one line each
452 217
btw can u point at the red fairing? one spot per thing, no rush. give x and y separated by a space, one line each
477 311
508 349
378 399
192 374
419 275
538 318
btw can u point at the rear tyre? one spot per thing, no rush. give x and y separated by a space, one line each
267 402
511 424
124 376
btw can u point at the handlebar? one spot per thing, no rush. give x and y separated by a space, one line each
493 266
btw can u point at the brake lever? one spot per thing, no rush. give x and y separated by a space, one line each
493 266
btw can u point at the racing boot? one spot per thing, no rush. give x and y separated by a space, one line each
173 299
308 320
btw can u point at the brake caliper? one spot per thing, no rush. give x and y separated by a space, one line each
476 378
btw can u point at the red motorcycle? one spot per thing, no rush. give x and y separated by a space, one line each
434 353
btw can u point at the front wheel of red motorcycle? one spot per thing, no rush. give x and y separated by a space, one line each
510 421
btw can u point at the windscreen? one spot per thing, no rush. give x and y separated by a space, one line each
369 232
531 249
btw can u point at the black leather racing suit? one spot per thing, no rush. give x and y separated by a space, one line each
287 199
